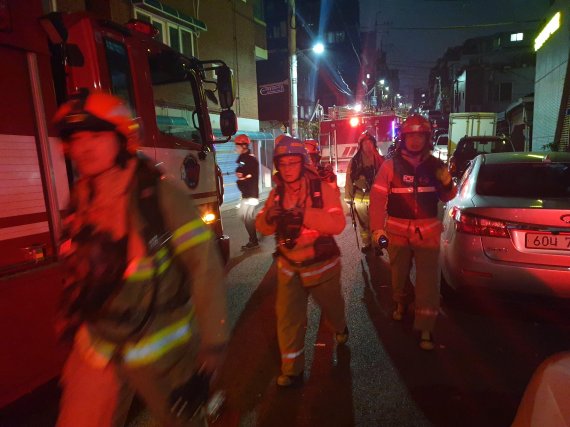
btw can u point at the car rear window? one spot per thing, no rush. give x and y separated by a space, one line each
442 141
526 180
484 147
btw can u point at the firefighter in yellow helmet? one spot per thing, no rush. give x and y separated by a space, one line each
132 240
403 209
360 175
304 214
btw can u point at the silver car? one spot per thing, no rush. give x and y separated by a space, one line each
508 228
440 147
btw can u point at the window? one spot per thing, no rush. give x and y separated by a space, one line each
173 96
176 36
527 180
119 70
335 37
516 37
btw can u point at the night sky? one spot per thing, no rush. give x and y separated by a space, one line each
414 52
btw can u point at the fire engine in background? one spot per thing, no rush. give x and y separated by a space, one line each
338 135
44 60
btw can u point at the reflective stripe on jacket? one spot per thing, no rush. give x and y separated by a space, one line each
191 253
311 275
317 222
379 196
413 192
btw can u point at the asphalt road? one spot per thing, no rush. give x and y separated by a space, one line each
486 352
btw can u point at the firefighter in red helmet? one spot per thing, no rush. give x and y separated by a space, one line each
325 172
304 216
360 175
247 174
130 233
404 206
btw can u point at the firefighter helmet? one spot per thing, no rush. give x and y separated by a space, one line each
279 138
416 123
312 146
289 146
98 111
242 139
364 136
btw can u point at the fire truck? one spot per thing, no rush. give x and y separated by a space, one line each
339 132
45 59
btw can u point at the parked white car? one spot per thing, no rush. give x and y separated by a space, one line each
508 228
440 147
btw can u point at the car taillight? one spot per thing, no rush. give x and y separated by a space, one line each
478 225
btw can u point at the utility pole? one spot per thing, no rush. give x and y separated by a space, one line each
292 35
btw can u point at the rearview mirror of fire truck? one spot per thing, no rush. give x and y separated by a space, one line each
228 123
225 83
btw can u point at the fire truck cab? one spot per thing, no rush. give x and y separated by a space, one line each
45 59
339 132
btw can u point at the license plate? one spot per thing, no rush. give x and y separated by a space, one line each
560 242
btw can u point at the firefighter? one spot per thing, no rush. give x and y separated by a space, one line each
325 172
304 215
247 174
360 174
132 315
404 208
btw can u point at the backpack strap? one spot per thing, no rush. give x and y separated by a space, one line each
315 186
154 230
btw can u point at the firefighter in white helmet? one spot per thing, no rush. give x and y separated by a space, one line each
404 207
132 240
360 175
304 214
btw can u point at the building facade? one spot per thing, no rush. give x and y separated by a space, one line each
552 82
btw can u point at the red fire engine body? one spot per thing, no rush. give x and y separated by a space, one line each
43 62
338 135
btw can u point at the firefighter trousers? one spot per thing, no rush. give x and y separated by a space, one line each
246 213
425 253
291 310
100 396
361 208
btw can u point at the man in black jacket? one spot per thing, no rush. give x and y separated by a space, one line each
247 174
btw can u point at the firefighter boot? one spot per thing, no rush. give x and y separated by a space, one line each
426 341
290 380
398 314
341 337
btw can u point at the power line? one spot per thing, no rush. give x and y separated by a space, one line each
463 27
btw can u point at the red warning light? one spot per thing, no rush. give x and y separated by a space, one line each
142 27
354 121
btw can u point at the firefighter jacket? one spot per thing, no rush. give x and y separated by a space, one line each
315 253
248 165
182 279
360 175
405 196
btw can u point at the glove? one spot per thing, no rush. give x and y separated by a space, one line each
273 213
443 176
376 234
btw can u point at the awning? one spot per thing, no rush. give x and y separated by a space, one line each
252 134
170 13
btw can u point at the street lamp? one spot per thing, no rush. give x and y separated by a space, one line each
319 48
